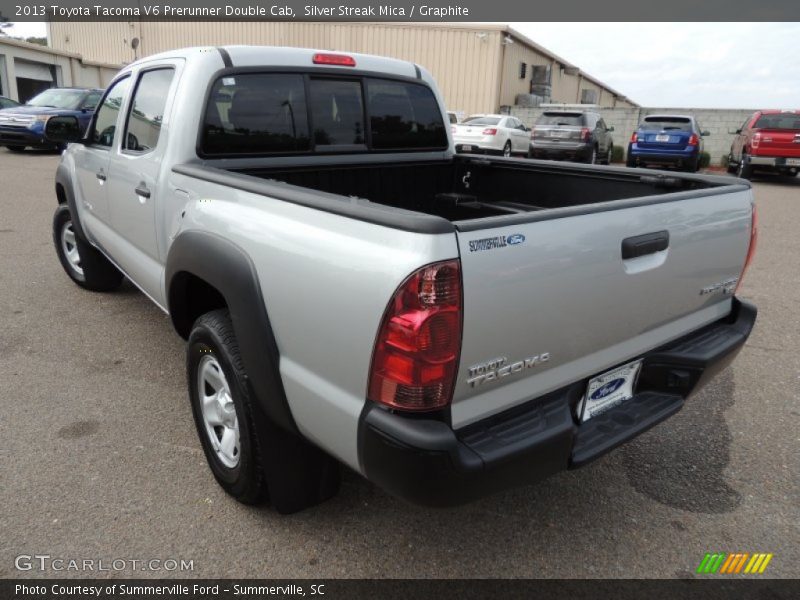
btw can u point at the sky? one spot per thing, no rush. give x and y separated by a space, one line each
688 65
684 65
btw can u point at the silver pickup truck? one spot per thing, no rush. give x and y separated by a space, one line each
353 292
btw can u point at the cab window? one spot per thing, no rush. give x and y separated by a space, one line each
147 110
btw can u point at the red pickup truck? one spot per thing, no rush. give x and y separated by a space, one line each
768 141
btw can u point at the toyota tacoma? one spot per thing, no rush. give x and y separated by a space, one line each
353 292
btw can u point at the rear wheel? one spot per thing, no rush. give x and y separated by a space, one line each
745 170
250 457
610 153
16 148
592 159
84 264
507 149
732 166
693 166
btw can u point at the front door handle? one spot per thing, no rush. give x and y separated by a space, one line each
101 176
142 191
641 245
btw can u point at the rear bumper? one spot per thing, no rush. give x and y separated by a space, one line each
426 462
662 157
554 151
777 162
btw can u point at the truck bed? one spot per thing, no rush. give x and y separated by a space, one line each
467 188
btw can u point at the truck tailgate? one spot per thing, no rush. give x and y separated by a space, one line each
554 299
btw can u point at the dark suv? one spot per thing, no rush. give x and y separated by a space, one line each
571 135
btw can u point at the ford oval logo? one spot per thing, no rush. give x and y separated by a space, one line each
608 389
514 239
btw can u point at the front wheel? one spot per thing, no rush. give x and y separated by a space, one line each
84 264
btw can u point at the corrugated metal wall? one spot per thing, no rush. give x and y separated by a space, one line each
475 70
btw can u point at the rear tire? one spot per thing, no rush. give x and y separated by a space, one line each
507 150
16 148
269 462
745 170
84 264
592 159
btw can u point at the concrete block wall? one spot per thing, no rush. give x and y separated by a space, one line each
717 121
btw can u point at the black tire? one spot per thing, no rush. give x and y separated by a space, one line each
507 149
732 166
16 148
591 159
745 170
694 165
273 464
212 336
92 270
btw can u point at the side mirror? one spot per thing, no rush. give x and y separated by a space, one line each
705 133
63 129
610 129
738 131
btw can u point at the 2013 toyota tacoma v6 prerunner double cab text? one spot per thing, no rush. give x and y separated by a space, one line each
352 291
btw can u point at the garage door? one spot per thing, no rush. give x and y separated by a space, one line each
32 70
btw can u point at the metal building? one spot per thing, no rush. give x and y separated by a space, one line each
27 69
479 67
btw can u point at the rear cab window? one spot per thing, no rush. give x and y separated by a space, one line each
575 119
303 113
667 123
789 121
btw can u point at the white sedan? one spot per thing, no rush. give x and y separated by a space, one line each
492 134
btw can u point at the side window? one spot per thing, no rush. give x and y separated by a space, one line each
337 112
106 116
90 102
601 125
147 110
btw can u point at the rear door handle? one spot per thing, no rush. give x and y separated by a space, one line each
641 245
101 176
142 191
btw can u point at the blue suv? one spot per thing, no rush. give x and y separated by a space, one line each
23 126
673 140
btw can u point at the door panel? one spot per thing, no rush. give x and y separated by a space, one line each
134 170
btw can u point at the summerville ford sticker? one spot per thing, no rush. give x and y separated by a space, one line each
498 241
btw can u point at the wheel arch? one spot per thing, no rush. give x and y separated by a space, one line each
65 194
203 269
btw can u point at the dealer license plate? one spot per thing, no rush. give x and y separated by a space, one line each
610 389
793 162
662 138
467 148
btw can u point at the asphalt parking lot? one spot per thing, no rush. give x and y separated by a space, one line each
100 460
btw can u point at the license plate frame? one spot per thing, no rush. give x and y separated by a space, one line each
467 147
662 137
793 162
609 389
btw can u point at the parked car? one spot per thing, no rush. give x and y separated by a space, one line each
352 290
23 125
7 102
769 141
491 134
667 140
572 135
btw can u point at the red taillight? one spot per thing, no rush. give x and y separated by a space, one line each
756 139
751 250
419 341
694 140
340 60
585 134
634 137
489 131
